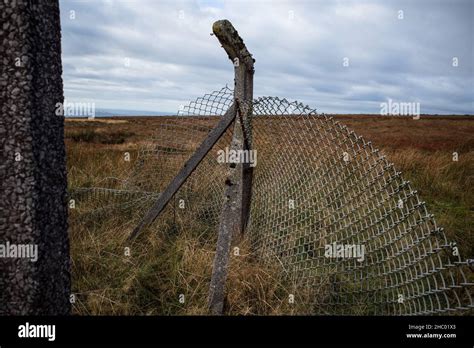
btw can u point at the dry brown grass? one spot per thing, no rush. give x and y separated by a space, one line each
173 259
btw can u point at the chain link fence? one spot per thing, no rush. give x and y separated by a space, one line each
337 214
327 206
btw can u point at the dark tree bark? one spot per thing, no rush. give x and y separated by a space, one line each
33 181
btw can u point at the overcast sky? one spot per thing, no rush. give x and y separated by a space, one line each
155 55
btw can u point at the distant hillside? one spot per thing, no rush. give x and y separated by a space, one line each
122 112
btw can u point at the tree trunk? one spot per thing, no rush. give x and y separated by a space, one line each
33 181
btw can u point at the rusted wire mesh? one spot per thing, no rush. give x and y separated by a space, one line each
326 205
198 202
338 215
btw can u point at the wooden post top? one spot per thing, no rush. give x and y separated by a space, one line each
232 43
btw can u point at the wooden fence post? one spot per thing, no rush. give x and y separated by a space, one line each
238 188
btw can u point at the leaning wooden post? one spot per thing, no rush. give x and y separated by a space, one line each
236 206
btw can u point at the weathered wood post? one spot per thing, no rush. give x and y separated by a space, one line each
238 188
33 182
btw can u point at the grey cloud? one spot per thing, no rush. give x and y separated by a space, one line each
174 60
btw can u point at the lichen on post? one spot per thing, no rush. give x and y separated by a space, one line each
238 185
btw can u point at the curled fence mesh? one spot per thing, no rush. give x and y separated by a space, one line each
334 213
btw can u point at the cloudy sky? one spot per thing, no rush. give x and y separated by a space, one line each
154 55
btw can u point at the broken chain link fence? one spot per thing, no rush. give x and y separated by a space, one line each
333 212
